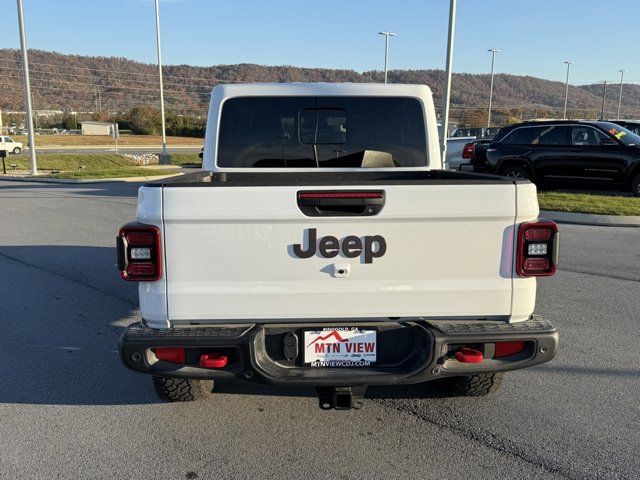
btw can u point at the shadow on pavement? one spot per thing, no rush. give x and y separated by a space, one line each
91 268
62 310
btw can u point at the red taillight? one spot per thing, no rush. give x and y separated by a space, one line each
506 349
170 354
538 244
537 234
340 195
139 253
534 265
140 269
468 150
139 238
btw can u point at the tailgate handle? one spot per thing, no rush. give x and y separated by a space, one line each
340 203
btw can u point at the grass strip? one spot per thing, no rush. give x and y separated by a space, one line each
589 203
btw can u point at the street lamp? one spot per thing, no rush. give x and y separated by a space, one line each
493 62
386 34
165 158
566 89
604 99
620 96
447 89
27 92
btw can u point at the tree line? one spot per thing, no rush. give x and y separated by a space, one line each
143 120
110 84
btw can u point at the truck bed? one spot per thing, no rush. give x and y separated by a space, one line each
248 249
329 178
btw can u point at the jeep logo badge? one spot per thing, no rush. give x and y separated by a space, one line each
372 246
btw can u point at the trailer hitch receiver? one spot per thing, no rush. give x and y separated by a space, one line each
341 398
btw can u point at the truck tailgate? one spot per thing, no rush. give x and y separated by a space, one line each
229 254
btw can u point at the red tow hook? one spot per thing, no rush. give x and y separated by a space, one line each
469 355
213 360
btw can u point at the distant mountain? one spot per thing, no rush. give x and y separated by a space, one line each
112 84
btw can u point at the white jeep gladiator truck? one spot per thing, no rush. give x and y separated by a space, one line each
322 245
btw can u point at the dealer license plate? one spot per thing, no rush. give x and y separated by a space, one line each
340 347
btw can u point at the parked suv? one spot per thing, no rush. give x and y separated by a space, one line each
573 154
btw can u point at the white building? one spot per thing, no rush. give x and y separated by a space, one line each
97 128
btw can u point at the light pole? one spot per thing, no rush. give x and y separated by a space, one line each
493 62
447 90
165 158
566 89
27 92
604 97
386 34
620 96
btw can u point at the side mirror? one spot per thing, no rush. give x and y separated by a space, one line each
608 143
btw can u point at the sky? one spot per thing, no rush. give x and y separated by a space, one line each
535 36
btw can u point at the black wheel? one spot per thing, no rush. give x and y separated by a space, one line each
635 186
519 173
473 385
181 389
17 150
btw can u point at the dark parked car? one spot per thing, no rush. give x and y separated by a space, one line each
571 154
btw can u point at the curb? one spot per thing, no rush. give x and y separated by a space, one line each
76 181
592 219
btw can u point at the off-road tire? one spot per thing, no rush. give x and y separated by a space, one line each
635 186
518 173
17 150
474 385
181 389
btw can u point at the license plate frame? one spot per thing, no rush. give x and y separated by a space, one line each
340 347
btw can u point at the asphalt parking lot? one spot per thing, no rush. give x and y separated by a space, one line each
68 408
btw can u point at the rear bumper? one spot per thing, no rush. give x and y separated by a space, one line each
410 351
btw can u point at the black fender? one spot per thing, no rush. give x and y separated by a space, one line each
520 161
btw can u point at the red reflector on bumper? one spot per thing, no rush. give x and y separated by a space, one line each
469 355
170 354
506 349
213 360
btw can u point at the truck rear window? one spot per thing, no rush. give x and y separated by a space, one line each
324 132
